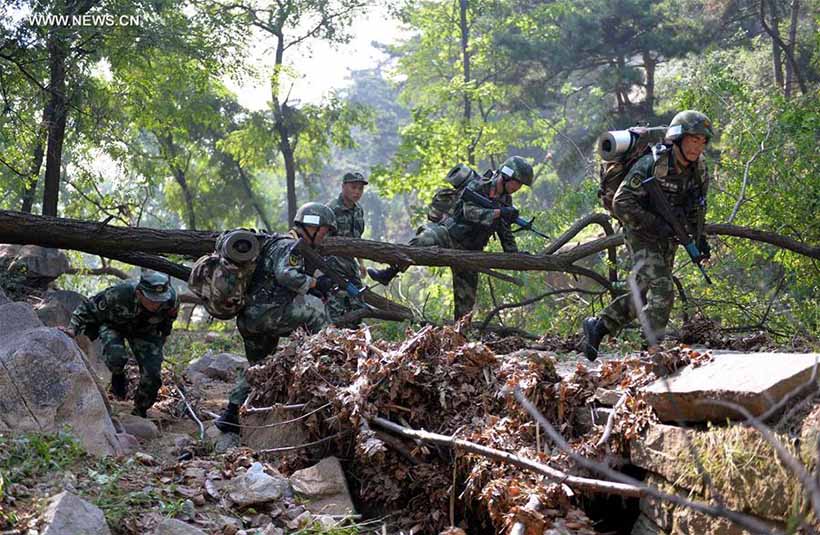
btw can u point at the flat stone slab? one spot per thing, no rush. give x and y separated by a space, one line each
756 381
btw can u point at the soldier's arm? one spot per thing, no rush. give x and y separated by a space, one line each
475 213
290 272
506 237
171 316
697 216
91 314
631 199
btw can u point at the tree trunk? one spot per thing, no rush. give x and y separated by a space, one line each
788 49
246 185
179 176
777 51
791 65
56 113
465 54
649 64
36 164
95 238
282 129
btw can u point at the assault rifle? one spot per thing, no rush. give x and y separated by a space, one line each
661 204
316 259
484 202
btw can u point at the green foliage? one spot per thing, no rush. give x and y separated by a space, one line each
116 500
35 455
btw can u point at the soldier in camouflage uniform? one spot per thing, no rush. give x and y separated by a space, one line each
471 226
678 166
141 312
283 295
349 223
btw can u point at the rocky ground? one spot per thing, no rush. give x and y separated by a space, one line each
313 458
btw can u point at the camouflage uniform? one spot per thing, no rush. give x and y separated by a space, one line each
470 228
116 315
277 304
650 241
350 224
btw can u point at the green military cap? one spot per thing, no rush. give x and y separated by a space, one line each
155 286
353 177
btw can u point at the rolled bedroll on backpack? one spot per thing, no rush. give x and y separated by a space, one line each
614 144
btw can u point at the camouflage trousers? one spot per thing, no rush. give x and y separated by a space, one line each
465 283
261 325
147 351
652 264
340 303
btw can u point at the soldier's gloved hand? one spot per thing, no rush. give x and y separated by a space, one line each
509 213
704 248
324 284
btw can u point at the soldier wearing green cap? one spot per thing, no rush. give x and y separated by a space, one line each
680 170
350 224
470 227
140 312
285 293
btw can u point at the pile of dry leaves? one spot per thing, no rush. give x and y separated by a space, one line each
439 381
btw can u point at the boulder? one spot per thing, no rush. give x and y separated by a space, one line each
255 486
744 469
172 526
53 314
325 485
259 437
756 381
142 428
219 441
39 264
16 318
70 300
220 366
45 384
67 514
3 299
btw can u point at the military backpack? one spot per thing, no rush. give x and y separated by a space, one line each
221 279
619 150
444 199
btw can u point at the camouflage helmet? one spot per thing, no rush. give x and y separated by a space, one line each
315 214
689 122
155 287
353 177
517 168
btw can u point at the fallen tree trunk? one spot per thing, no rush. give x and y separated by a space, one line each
106 240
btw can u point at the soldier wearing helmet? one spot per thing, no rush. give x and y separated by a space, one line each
349 223
285 293
469 226
141 312
680 170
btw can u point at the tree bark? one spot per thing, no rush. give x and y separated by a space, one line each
36 164
246 185
791 66
649 64
281 124
96 238
171 153
465 55
56 113
777 51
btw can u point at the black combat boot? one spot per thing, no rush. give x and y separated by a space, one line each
594 332
383 276
228 421
119 385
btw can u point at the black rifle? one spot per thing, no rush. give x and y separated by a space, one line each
661 204
316 259
484 202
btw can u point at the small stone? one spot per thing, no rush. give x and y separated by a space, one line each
255 486
172 526
144 458
142 428
68 514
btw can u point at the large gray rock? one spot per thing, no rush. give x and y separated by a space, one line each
69 299
220 366
756 381
325 485
53 314
45 383
68 514
172 526
38 263
737 459
17 317
260 435
255 486
142 428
